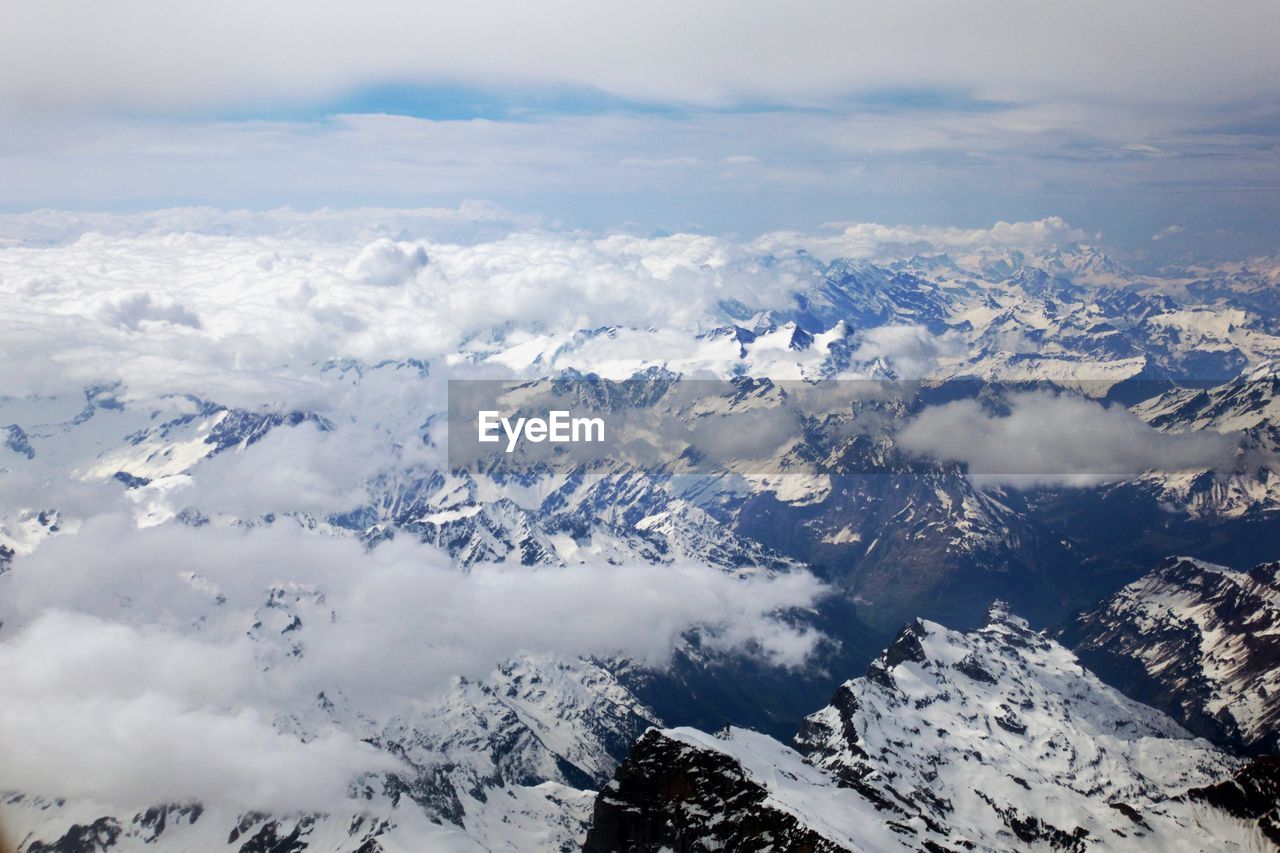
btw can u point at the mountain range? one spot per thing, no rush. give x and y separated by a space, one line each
1116 696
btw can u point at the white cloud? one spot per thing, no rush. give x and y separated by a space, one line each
913 352
137 668
135 716
1056 439
262 326
386 263
401 595
1167 232
872 241
131 310
290 470
209 307
244 318
466 623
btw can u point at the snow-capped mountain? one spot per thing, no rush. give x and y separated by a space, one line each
994 740
1247 408
1200 642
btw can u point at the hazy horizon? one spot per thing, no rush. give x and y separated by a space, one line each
1154 125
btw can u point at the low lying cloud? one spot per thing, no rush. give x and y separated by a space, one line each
209 307
1046 438
148 665
298 469
245 319
912 352
873 241
130 715
459 623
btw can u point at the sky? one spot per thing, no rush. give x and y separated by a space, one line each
1155 125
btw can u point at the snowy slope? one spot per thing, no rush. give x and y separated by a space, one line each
1247 409
1197 640
993 740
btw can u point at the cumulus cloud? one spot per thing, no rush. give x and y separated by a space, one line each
1046 438
131 310
244 319
401 595
263 327
466 623
912 352
387 263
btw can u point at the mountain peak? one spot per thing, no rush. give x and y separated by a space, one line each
1000 612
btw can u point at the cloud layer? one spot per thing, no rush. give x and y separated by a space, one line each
135 715
150 665
148 55
1125 169
1046 438
240 308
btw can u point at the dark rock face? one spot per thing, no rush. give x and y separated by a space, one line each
852 769
270 837
973 668
668 795
171 827
107 832
83 838
1253 795
1199 642
1032 830
15 438
155 819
